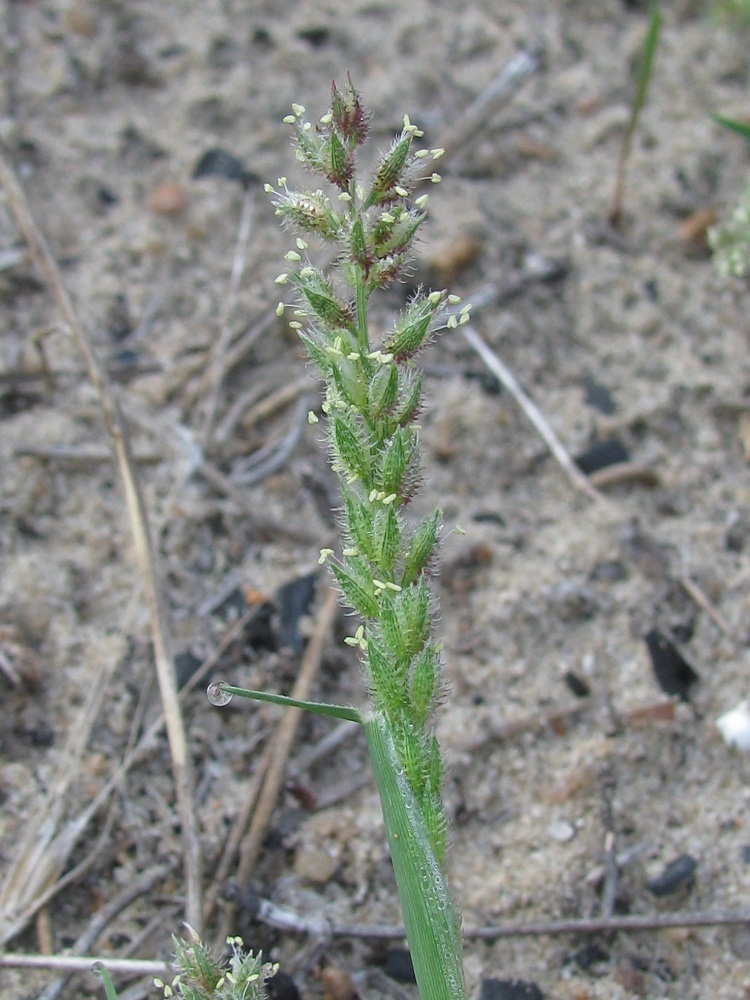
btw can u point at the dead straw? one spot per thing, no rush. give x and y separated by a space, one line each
218 367
534 414
145 554
487 103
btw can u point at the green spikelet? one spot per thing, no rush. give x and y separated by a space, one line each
383 390
424 674
394 461
355 592
421 547
387 681
359 523
351 451
387 537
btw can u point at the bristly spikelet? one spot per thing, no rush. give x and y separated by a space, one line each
309 211
201 977
348 115
317 293
373 396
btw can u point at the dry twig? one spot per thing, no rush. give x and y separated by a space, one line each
624 472
692 589
271 458
491 99
633 923
286 919
534 414
83 963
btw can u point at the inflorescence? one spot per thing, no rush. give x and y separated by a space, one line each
372 400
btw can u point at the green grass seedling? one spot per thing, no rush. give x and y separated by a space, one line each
100 970
741 128
645 66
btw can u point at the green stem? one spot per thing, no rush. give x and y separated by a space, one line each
430 917
362 333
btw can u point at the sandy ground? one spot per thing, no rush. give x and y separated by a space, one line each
106 110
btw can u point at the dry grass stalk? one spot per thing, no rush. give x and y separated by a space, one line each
218 367
42 858
534 414
181 765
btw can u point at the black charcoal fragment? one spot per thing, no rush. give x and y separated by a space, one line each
509 989
398 965
601 454
185 664
590 955
675 874
598 397
577 684
294 599
282 987
217 162
671 669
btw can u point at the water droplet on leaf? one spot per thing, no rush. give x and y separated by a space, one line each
216 696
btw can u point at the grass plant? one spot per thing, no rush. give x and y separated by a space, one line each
645 66
373 396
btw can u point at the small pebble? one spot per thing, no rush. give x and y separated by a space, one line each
338 984
315 864
561 830
573 601
452 256
168 199
693 231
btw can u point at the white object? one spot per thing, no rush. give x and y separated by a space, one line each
735 726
